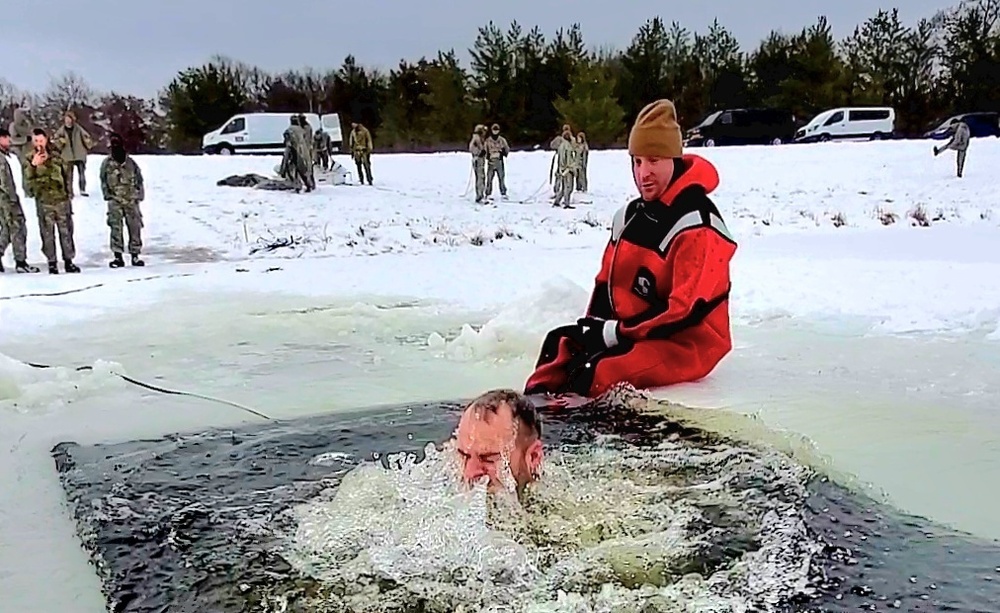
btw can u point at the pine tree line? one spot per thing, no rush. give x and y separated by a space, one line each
530 84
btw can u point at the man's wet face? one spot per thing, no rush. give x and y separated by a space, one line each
488 445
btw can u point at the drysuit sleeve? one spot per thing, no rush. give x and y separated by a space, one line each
697 266
600 300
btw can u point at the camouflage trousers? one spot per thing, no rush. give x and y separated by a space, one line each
479 169
129 215
13 231
960 161
56 217
565 178
581 179
495 168
80 166
323 159
363 160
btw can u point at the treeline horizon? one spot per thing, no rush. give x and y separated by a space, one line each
947 63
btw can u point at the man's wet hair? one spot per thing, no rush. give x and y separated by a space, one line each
523 409
39 132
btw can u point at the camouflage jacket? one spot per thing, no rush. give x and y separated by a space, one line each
74 142
295 138
122 182
307 135
496 148
47 183
8 190
960 138
583 153
361 140
322 141
476 147
567 156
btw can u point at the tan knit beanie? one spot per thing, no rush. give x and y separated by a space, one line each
656 132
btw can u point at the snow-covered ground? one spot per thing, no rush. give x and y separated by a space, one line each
866 308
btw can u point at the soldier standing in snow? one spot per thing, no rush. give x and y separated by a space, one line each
294 163
566 168
123 188
361 151
477 149
23 144
322 145
13 230
75 143
583 151
959 142
46 180
554 146
496 150
310 151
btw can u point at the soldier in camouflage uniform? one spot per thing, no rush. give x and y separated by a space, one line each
361 150
497 150
583 153
308 137
22 143
46 180
294 164
13 230
74 142
477 149
566 168
554 146
123 188
324 148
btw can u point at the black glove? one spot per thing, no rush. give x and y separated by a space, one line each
596 334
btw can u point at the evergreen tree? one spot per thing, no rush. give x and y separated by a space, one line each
591 106
199 100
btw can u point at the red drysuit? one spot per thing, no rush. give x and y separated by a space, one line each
664 284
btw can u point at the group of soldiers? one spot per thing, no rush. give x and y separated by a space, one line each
489 151
305 150
47 168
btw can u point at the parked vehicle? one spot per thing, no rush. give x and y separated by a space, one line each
260 133
849 123
743 127
980 125
331 125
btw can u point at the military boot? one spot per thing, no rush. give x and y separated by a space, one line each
1 267
53 268
136 261
118 262
70 266
23 267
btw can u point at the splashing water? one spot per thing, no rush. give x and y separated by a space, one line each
609 527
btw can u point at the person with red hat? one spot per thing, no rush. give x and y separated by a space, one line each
659 312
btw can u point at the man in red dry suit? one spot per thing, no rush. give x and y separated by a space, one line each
659 313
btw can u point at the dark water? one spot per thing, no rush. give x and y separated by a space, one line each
187 522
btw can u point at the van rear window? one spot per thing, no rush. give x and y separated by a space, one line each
868 115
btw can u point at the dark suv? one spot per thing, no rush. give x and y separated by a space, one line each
743 127
980 125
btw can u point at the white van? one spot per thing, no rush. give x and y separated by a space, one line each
253 133
854 123
330 124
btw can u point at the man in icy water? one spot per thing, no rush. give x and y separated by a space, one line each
500 437
659 311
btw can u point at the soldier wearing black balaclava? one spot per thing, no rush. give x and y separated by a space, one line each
123 188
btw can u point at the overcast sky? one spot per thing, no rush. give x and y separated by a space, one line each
138 46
